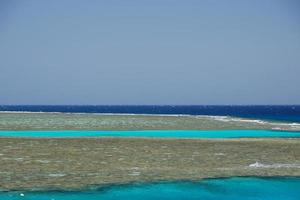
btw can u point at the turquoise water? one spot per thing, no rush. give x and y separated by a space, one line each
213 189
157 133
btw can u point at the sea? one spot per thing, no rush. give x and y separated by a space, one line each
236 188
211 134
288 113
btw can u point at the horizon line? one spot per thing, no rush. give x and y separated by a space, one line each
149 104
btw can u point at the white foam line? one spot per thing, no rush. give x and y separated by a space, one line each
276 165
57 175
29 112
236 119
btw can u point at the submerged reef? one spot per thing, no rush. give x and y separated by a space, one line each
76 163
84 121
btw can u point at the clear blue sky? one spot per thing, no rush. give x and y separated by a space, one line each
150 52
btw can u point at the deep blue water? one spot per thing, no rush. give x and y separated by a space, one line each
289 113
213 189
158 133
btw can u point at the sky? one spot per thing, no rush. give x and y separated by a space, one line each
149 52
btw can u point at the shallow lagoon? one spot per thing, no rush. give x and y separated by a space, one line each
158 133
210 189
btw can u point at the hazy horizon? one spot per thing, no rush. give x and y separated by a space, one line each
149 52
